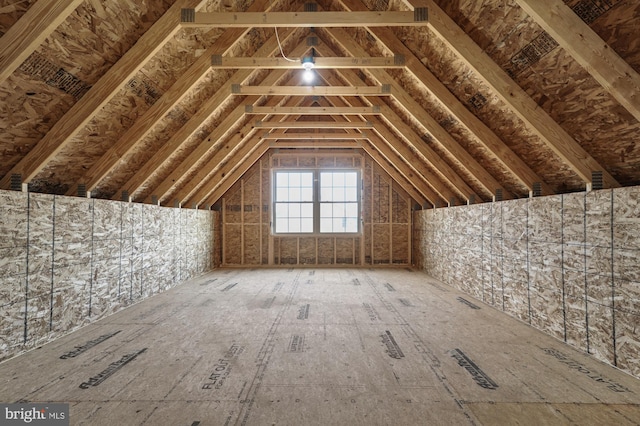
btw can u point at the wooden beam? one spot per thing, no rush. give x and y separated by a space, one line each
442 136
402 165
324 144
313 136
534 117
253 63
172 97
179 138
380 152
313 125
234 169
191 18
311 90
278 110
223 151
26 35
495 146
430 156
588 49
102 92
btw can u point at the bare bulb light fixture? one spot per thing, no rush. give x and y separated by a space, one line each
308 74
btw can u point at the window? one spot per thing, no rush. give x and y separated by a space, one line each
316 202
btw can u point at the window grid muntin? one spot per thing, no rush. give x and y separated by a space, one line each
339 225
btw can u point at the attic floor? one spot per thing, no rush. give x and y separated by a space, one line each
318 347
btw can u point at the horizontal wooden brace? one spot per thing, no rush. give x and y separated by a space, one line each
314 125
218 61
275 110
417 17
383 90
312 136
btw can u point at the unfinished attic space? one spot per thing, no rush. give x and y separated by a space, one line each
346 212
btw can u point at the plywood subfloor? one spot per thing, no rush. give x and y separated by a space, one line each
318 347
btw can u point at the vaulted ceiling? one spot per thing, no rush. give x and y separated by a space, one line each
459 101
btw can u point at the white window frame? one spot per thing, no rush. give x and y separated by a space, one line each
316 200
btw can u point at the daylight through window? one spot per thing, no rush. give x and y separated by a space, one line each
316 201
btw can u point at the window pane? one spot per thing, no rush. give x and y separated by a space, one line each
282 180
294 179
282 210
282 225
306 210
294 225
326 210
338 179
351 210
294 210
338 224
307 180
326 194
338 210
351 194
352 225
351 179
282 194
338 194
306 225
325 225
326 179
306 194
294 194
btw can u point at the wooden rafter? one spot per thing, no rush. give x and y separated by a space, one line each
398 156
26 35
198 70
588 49
201 183
102 92
178 139
191 18
442 136
216 171
413 139
448 101
534 117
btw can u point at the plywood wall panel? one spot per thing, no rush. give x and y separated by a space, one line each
288 250
89 258
573 274
401 241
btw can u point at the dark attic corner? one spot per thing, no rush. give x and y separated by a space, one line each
341 212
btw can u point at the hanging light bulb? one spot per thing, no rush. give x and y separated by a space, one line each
308 75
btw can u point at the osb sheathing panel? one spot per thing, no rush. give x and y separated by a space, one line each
556 82
11 11
330 250
87 259
562 263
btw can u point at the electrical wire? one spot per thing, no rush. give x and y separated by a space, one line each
281 51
